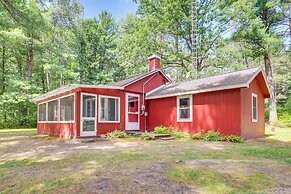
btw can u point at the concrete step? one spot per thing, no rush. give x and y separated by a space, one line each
167 138
134 132
86 140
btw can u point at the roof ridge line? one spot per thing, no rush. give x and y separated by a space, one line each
217 75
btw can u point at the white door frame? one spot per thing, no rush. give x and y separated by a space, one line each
87 133
132 125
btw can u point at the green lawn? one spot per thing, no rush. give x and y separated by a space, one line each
280 134
31 163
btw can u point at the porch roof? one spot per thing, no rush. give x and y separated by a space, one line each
68 88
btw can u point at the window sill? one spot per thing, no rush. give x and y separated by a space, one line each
108 121
67 122
184 121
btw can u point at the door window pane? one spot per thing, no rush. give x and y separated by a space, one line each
89 104
88 125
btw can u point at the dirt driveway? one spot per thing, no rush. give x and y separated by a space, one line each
31 163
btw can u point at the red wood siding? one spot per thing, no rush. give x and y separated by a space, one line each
211 111
66 130
155 82
103 128
57 129
251 129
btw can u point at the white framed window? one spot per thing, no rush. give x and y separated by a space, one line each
254 107
67 108
42 112
53 111
184 108
109 109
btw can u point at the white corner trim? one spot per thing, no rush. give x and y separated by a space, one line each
178 108
256 96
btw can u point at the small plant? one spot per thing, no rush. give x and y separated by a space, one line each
211 136
162 130
147 136
180 135
232 138
197 136
116 134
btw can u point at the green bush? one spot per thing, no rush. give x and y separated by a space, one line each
116 134
216 136
231 138
197 136
147 136
180 135
211 136
162 130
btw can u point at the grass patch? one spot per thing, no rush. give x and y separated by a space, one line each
129 155
280 134
17 132
17 163
269 152
211 181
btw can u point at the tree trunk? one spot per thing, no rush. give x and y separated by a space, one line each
43 79
194 39
3 68
29 59
19 68
271 83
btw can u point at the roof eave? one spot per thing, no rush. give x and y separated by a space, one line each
153 72
75 86
198 91
260 70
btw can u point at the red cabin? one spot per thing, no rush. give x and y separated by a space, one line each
231 103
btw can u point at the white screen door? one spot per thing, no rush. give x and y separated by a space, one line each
88 114
132 112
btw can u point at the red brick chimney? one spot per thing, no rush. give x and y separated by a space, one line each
154 62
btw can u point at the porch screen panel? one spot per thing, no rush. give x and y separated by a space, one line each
67 108
42 112
109 109
53 110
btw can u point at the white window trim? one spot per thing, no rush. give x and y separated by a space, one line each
72 121
38 121
59 112
178 109
255 120
99 108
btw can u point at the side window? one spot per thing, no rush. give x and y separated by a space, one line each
184 108
254 107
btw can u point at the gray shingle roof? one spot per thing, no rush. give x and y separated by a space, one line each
235 79
68 88
129 80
